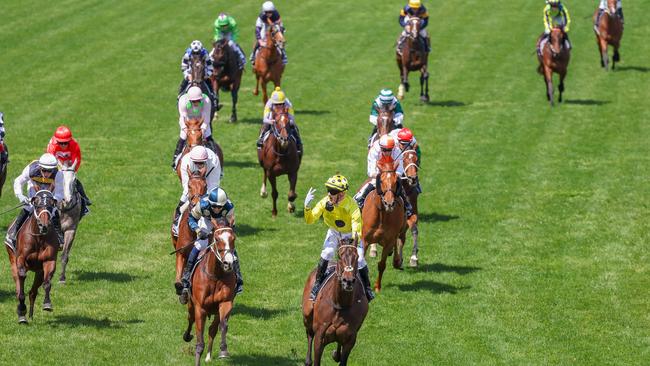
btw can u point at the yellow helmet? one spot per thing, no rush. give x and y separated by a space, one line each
278 97
415 4
337 182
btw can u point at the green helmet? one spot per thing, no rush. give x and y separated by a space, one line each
386 96
553 2
222 20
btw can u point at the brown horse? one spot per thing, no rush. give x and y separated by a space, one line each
554 57
268 61
413 57
384 220
194 138
279 156
609 31
227 74
36 250
197 78
213 292
410 183
385 124
339 310
197 187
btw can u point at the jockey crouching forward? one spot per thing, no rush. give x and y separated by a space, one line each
269 16
383 150
4 152
225 27
556 15
198 158
38 175
196 48
385 99
343 218
194 105
66 150
414 9
214 205
278 101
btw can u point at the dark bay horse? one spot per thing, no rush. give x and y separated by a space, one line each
609 31
197 78
554 58
410 182
385 124
213 292
414 57
268 61
36 250
339 310
384 218
194 138
279 156
3 165
70 210
197 187
227 74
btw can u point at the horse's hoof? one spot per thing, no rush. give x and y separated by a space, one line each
187 337
22 319
413 262
47 307
208 357
373 250
224 354
263 194
62 281
400 92
424 98
233 119
291 207
335 356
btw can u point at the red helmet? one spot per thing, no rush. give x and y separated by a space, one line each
63 134
405 135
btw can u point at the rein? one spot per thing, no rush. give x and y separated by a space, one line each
218 256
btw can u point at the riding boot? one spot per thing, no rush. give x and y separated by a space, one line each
363 273
179 149
177 217
361 196
619 12
285 60
296 135
82 192
239 288
263 130
12 232
187 272
254 53
242 56
427 44
567 42
320 277
56 224
407 205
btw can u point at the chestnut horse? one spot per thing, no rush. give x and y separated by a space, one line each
384 220
279 156
554 58
609 31
268 61
36 250
197 187
410 182
70 210
414 57
194 138
213 291
338 311
227 74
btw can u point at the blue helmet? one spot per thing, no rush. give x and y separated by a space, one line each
218 197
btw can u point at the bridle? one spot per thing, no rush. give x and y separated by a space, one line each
414 22
380 191
412 180
347 267
198 69
555 52
277 132
217 252
43 202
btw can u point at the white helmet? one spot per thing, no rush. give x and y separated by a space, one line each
199 154
218 197
47 161
195 93
268 6
196 46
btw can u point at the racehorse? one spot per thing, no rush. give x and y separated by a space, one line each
197 187
385 124
384 220
279 156
553 57
413 57
268 61
197 78
410 182
36 250
227 74
338 311
194 138
609 31
70 210
213 291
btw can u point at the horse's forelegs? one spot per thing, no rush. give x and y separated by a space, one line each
548 78
180 264
293 178
224 314
265 96
187 336
263 193
274 195
48 272
345 351
604 58
398 255
212 333
67 246
381 266
414 253
561 86
38 281
424 85
21 274
319 347
256 91
405 78
199 317
310 342
616 58
234 94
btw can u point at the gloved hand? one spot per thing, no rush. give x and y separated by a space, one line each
201 234
24 200
310 196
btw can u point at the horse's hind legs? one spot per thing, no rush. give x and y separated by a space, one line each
616 58
414 253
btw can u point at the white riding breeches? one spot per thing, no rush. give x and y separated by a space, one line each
205 225
331 244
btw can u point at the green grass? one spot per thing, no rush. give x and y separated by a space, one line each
534 221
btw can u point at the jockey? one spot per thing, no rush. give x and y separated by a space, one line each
193 105
4 152
278 98
268 16
198 158
383 150
407 141
602 7
344 220
66 150
556 15
225 27
415 9
37 175
214 205
196 47
385 99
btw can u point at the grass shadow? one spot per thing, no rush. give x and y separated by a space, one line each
435 217
263 360
245 230
633 68
312 112
255 312
255 121
105 276
586 102
74 321
434 287
240 164
445 103
441 267
7 295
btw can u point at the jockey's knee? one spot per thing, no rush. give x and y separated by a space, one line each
327 254
201 244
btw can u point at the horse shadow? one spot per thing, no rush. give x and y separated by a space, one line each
105 276
258 313
312 112
432 286
445 103
441 268
435 217
245 230
7 295
263 360
240 164
633 68
586 102
74 321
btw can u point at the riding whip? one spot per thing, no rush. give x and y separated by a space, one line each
11 209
